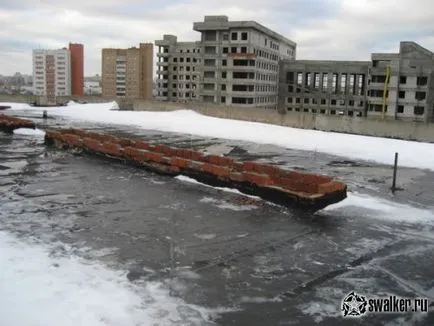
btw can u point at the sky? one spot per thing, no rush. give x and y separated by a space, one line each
322 29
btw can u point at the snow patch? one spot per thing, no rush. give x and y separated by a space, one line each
67 290
29 132
383 209
234 191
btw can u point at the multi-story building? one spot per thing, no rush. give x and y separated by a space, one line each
128 72
325 87
177 69
391 85
77 69
51 73
402 84
236 62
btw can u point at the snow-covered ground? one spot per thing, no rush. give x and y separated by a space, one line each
381 150
38 287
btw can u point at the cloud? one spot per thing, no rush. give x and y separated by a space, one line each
322 29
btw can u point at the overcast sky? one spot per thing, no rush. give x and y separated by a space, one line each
322 29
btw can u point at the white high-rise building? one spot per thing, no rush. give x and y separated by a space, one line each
52 73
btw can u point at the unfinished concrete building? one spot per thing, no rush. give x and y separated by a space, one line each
323 87
177 70
127 73
402 84
240 62
390 86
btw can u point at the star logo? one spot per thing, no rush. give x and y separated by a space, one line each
354 305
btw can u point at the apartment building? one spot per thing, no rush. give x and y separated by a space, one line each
324 87
236 62
402 84
177 70
128 72
391 85
52 73
77 68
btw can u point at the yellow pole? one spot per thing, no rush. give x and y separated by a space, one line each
386 85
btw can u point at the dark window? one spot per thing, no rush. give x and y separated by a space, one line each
306 110
289 109
313 110
306 101
297 100
244 36
174 94
234 36
225 50
322 111
351 103
243 49
181 59
401 94
323 101
223 99
333 102
175 59
400 108
224 62
233 49
225 37
350 113
419 110
402 79
422 81
290 88
332 112
289 99
224 74
188 59
420 96
223 87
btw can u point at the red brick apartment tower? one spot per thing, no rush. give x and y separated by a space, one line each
77 69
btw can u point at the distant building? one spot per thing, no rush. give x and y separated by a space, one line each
324 87
177 69
128 72
52 73
236 63
391 85
77 69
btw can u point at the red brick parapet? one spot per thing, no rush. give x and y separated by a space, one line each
270 182
9 124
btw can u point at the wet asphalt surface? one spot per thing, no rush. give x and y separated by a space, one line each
271 265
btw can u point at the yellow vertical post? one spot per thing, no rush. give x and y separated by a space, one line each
386 86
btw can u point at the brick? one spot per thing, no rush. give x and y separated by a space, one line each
220 171
258 179
72 140
112 149
142 145
236 176
179 162
134 154
298 185
330 187
195 165
163 149
93 144
238 166
154 157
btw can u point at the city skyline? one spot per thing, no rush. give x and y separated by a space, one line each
335 30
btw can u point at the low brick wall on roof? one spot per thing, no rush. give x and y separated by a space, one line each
305 189
9 124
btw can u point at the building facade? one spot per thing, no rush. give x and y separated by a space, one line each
177 70
52 73
77 69
128 72
324 87
402 84
236 62
391 85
